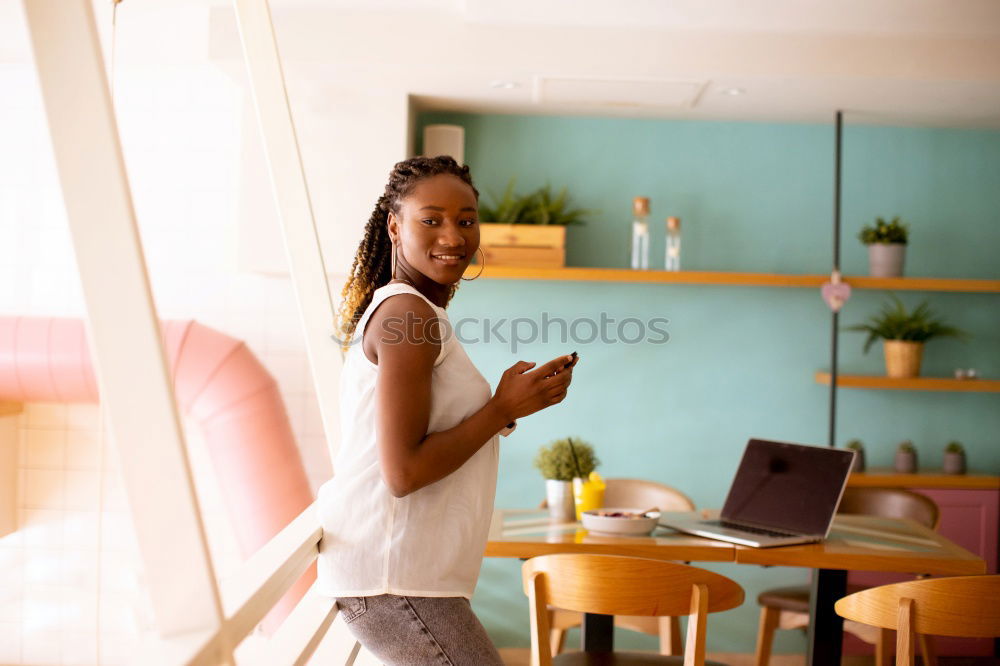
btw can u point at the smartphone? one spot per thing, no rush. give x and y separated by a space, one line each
511 424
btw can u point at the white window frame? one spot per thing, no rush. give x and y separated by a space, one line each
196 622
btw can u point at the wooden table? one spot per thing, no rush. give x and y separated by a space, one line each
855 542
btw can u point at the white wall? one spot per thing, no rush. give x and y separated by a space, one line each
71 586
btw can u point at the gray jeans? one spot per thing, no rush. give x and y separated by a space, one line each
412 631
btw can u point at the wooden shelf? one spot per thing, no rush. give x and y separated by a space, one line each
584 274
914 384
887 478
924 284
577 274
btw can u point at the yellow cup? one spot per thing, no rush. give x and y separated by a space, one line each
588 493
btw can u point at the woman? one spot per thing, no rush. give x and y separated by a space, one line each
406 516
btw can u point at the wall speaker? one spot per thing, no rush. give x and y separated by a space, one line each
445 140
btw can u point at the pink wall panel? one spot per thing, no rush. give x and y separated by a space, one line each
970 518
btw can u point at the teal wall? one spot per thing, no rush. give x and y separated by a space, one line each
740 360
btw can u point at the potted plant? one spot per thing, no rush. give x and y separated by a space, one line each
858 447
527 230
903 335
906 458
886 243
954 458
557 464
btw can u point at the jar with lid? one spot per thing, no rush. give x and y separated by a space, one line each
640 233
673 255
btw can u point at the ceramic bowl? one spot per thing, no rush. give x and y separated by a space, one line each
640 526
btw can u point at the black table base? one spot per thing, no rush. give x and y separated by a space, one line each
597 633
826 628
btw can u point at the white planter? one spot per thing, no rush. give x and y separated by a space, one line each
953 463
559 496
859 461
886 259
905 462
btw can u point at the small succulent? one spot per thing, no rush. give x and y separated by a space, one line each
954 447
855 445
884 232
555 461
906 446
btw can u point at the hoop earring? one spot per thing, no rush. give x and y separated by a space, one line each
392 270
482 266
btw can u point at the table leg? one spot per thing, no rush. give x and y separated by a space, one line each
826 628
597 633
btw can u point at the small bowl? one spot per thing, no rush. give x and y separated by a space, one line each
641 526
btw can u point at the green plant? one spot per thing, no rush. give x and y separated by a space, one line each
855 445
538 207
954 447
545 208
555 461
507 208
884 232
906 446
895 323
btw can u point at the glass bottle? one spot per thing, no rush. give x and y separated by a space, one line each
673 259
640 233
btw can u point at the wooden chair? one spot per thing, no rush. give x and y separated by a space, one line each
788 607
960 606
639 494
615 585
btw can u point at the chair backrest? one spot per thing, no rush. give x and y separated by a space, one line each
959 606
642 494
891 503
616 585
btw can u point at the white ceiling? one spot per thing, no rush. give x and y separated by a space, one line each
933 62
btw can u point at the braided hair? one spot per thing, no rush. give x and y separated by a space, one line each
372 261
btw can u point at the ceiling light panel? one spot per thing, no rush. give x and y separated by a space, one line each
650 93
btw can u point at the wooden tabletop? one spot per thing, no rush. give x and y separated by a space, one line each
869 543
529 533
855 542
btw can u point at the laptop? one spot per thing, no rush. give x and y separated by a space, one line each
782 494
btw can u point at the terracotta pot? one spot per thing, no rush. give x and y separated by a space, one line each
885 260
902 358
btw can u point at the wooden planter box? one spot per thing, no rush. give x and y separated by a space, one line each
538 245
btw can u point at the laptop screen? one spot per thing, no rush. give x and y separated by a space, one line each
789 487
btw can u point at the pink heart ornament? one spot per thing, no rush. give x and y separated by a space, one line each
836 294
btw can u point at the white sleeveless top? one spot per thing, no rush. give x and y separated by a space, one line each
429 543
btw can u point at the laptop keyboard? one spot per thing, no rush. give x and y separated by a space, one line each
746 528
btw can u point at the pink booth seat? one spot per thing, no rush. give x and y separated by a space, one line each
218 383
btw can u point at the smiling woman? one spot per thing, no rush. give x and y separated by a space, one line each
439 240
406 517
434 183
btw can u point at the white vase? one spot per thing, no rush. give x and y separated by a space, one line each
885 260
559 496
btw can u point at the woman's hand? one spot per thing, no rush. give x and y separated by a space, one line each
521 392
